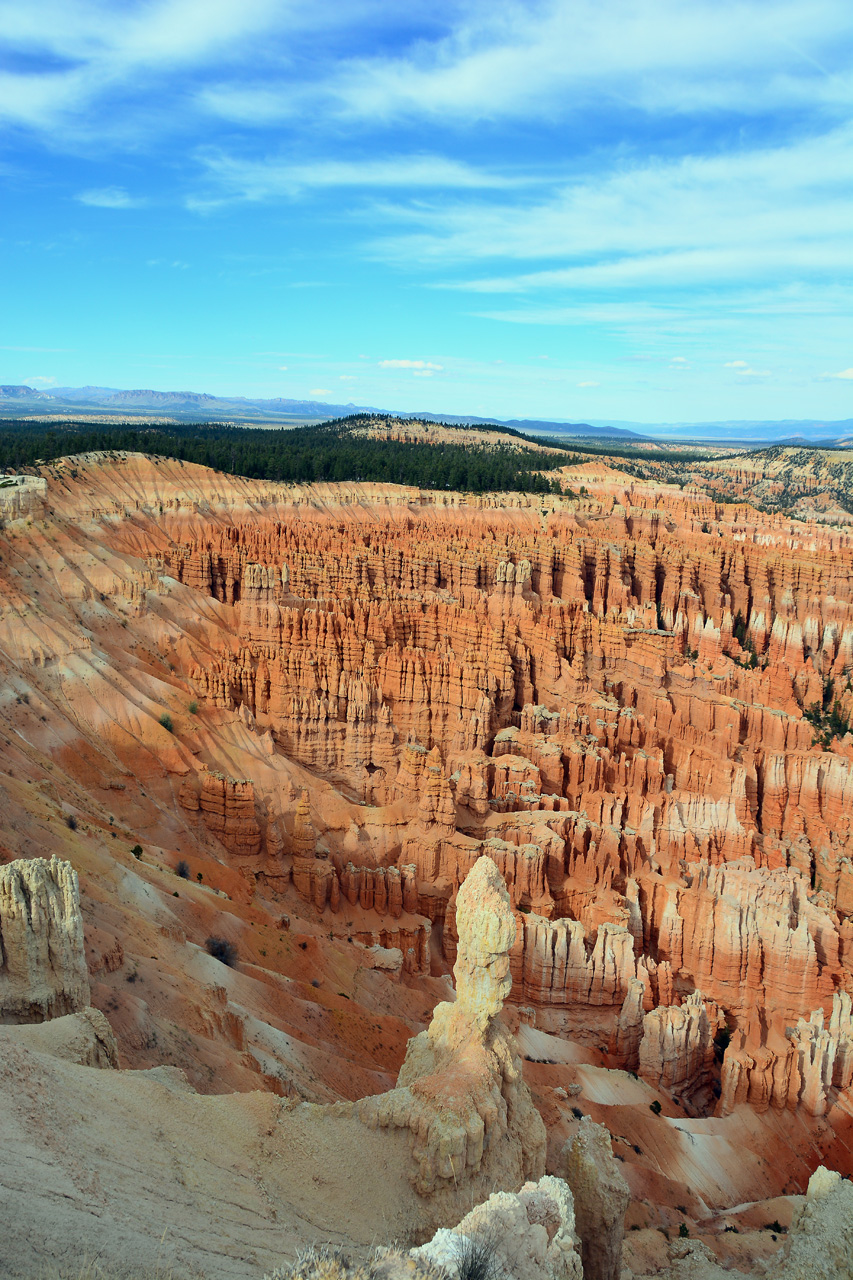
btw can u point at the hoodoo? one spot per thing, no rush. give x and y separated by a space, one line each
460 1090
42 962
589 753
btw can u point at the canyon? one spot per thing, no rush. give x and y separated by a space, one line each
295 720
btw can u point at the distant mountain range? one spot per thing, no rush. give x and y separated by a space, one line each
788 431
198 406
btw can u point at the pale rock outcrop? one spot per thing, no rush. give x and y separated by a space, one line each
529 1235
820 1242
460 1090
601 1196
628 1033
85 1038
677 1048
42 962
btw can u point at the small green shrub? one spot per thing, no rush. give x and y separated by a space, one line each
655 1106
166 722
183 869
193 708
137 851
683 1231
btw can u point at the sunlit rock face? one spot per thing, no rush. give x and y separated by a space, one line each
42 963
607 699
603 696
460 1091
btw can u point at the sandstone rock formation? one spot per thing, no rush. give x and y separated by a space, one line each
460 1090
227 808
820 1242
601 1196
85 1038
605 696
799 1068
42 961
677 1048
529 1235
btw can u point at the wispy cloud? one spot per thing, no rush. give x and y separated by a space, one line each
410 364
261 179
750 211
744 369
505 60
845 373
109 198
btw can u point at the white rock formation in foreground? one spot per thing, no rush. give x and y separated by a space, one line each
42 962
460 1090
529 1236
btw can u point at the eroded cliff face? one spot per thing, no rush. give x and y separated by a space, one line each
607 698
367 690
42 964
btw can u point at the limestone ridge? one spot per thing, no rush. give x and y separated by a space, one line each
42 962
460 1091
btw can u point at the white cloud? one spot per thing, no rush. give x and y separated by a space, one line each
845 373
410 364
108 198
40 380
263 62
589 384
282 368
319 391
347 377
279 176
500 60
745 370
773 212
678 360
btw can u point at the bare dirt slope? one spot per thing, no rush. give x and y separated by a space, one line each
134 1167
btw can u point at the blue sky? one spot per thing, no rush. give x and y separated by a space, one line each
591 208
